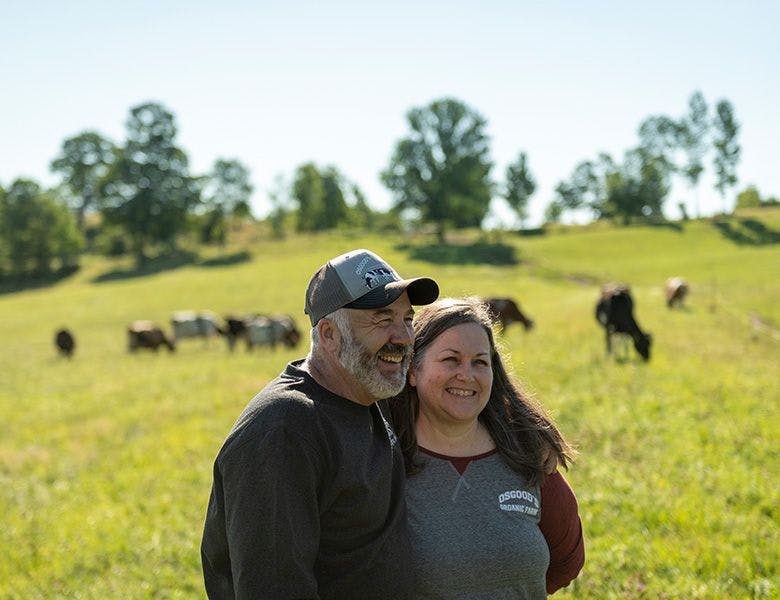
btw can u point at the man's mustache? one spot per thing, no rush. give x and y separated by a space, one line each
396 349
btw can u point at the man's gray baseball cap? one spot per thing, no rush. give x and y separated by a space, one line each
361 279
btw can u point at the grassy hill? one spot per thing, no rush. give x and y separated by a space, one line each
105 460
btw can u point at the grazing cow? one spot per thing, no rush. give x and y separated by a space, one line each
676 291
505 311
65 342
146 334
269 331
189 324
615 312
236 328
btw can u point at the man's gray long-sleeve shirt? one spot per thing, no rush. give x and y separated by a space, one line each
307 500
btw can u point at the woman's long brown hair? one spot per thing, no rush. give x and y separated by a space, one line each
518 425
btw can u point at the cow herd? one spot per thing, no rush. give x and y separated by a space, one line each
254 329
614 311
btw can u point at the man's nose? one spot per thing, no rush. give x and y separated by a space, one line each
402 334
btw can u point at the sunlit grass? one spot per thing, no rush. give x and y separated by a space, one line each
105 460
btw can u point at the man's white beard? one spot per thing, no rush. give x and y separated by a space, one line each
364 366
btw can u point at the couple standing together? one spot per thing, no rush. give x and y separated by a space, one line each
399 459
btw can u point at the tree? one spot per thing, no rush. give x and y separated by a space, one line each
83 161
320 198
35 230
647 170
694 128
229 187
361 214
586 186
307 191
637 188
659 138
726 148
441 169
226 192
553 212
520 185
148 190
334 205
278 196
634 189
749 198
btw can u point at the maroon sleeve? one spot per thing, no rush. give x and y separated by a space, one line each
560 524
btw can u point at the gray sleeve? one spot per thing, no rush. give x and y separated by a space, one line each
270 487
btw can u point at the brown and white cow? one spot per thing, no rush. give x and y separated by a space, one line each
506 311
147 334
676 289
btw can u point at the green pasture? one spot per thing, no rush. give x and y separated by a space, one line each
105 460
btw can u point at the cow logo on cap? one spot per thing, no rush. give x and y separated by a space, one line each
378 276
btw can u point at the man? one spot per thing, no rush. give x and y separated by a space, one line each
308 493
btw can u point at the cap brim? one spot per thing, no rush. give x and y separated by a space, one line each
421 290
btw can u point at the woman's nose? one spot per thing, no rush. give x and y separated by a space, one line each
464 372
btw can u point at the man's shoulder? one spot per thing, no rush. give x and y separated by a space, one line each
282 395
285 405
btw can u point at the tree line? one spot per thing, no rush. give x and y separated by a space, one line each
139 197
637 187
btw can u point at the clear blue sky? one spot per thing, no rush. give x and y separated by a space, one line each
278 84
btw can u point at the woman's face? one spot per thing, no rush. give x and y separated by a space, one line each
455 375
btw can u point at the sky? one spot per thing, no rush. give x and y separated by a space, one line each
276 84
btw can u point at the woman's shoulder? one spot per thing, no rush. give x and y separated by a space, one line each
557 494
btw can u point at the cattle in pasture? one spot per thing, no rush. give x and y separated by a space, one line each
235 328
676 290
270 331
506 311
65 342
146 334
261 330
615 312
189 324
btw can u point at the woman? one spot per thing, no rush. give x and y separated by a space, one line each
486 521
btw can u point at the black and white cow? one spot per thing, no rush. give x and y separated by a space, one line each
262 330
270 331
615 312
189 324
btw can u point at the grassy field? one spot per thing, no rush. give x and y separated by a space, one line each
105 460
